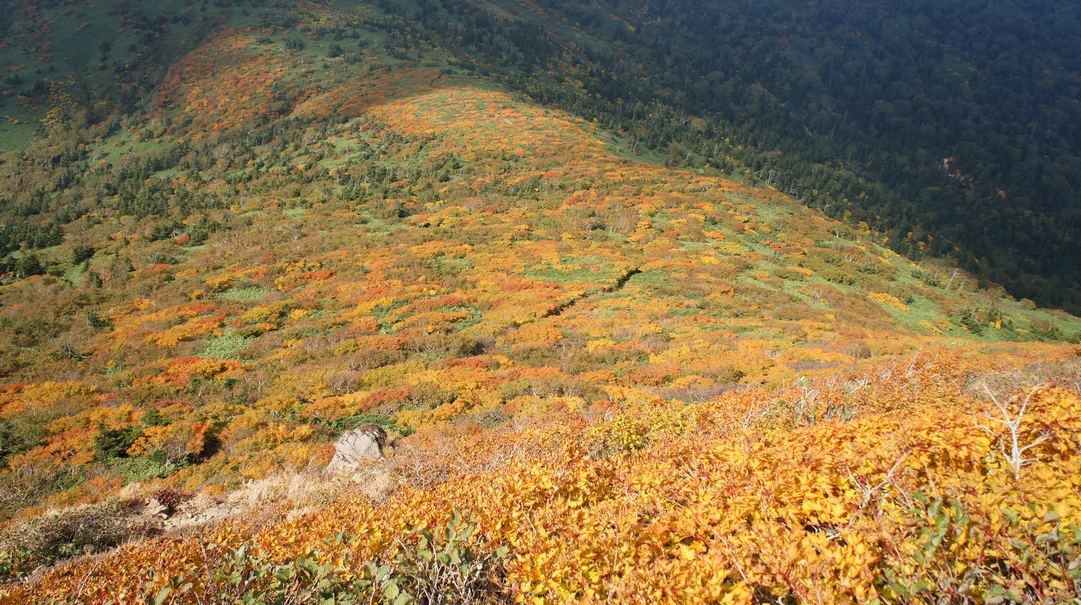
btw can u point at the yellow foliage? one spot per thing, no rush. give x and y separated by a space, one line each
887 299
176 440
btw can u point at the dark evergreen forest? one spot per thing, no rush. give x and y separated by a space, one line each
950 128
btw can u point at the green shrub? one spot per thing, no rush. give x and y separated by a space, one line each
971 322
433 567
115 443
144 468
82 252
948 558
446 567
1047 331
63 534
226 346
17 437
25 484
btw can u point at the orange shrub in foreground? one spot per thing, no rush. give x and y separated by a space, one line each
698 503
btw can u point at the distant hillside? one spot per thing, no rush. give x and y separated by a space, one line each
604 376
952 129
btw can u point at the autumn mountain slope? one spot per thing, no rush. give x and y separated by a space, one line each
634 383
951 129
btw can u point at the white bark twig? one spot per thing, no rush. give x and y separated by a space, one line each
1011 421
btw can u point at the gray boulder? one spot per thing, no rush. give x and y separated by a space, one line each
356 447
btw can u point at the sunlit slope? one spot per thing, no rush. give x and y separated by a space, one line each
390 226
590 352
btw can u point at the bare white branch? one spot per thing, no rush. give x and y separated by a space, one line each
1012 421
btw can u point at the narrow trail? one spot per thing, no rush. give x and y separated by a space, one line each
618 285
562 307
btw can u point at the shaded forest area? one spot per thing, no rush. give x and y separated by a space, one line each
951 129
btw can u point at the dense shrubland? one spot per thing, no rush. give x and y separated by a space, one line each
757 494
605 378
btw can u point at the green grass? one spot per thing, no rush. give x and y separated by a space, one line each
135 470
226 346
247 294
75 274
653 278
574 276
15 137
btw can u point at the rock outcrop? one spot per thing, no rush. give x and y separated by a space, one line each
362 444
